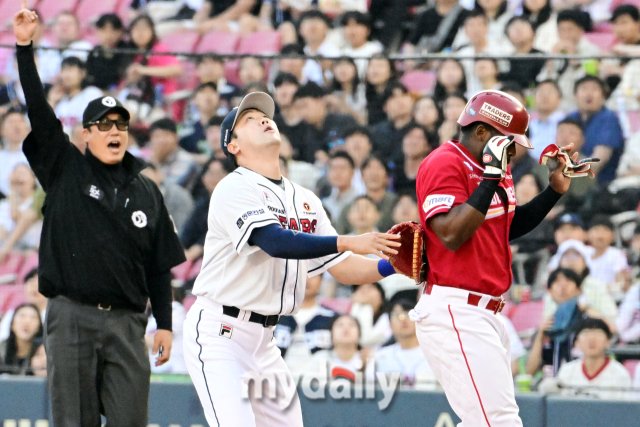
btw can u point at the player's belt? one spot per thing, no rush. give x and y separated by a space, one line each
495 304
261 319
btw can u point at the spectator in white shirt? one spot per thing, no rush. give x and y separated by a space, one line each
303 70
543 19
497 15
596 374
66 34
23 187
544 122
628 321
368 306
608 264
13 130
405 356
356 28
314 26
69 97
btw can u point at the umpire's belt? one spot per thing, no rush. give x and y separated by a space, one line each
261 319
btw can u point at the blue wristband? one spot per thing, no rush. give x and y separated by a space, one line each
385 268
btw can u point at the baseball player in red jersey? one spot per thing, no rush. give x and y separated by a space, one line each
469 213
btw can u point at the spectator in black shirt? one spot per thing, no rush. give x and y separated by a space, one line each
388 135
381 73
451 79
522 71
325 128
210 68
224 15
106 70
435 28
107 247
416 146
195 230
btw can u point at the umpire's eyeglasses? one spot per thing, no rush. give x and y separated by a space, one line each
105 124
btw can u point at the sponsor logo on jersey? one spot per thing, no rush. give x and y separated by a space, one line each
239 223
276 210
474 176
266 196
435 200
226 331
468 165
306 206
139 219
94 192
251 213
496 114
487 158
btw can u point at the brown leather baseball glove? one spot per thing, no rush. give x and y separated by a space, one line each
408 260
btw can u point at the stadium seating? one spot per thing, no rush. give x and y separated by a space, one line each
262 42
30 262
218 42
184 41
631 366
48 9
10 268
527 316
420 82
10 297
8 8
604 41
89 11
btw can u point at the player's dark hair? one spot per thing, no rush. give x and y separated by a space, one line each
567 273
375 158
343 155
591 323
31 274
595 79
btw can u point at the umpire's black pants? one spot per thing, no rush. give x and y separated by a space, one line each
97 363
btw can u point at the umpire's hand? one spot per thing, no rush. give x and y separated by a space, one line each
162 338
25 23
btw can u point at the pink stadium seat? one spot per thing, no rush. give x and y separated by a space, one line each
603 41
10 268
527 316
634 120
339 305
6 54
8 8
420 82
262 42
30 262
231 69
48 9
508 309
90 10
616 3
195 269
188 302
184 41
631 366
122 11
10 297
218 42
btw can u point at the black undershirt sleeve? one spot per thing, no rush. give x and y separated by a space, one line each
530 215
159 286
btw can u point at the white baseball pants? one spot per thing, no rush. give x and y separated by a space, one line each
468 349
218 351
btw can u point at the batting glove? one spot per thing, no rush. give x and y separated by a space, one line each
571 169
495 157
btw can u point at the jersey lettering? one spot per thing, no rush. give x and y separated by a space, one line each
293 225
307 226
283 221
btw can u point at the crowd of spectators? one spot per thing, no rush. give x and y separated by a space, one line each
355 129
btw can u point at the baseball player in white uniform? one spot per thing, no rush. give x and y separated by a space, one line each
266 236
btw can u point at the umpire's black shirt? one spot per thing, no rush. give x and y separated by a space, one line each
106 233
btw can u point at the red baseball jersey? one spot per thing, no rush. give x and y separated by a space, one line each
446 179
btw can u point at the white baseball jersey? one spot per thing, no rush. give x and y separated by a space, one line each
69 110
237 274
611 375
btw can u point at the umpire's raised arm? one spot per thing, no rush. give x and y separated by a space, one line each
47 146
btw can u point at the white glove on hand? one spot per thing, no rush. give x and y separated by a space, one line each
494 157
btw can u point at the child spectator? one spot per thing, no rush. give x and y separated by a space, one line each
305 333
608 264
594 372
16 351
405 356
345 358
368 305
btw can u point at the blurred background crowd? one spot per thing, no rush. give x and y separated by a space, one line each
355 127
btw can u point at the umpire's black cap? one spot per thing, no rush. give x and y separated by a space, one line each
100 107
254 101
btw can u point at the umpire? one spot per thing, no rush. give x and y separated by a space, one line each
107 246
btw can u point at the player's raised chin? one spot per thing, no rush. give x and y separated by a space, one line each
107 146
254 132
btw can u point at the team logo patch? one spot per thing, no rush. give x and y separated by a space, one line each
435 200
266 196
306 206
139 219
108 101
497 115
239 223
226 331
472 111
487 158
94 192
